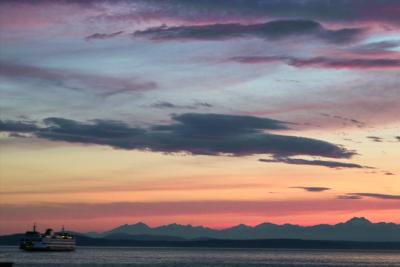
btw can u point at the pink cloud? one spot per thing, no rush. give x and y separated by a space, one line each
74 80
324 62
71 211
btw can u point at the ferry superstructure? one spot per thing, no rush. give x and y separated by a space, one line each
48 241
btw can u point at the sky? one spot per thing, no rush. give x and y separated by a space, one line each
198 112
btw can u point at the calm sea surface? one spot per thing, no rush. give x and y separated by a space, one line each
194 257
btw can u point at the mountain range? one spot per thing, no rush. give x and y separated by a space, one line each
355 229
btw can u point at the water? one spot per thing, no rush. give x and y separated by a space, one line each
196 257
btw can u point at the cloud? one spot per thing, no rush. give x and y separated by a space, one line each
324 62
73 80
212 124
102 132
371 98
375 139
397 138
22 14
339 11
389 173
352 197
169 105
17 126
164 104
345 120
18 135
192 133
102 36
356 63
64 211
323 163
203 104
376 47
312 189
173 186
273 30
374 195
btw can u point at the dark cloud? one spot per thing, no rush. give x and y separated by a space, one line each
204 104
339 10
384 11
17 126
348 197
98 131
102 36
18 135
398 138
169 105
164 104
323 163
373 195
375 139
376 47
345 120
105 85
356 63
197 134
220 124
389 173
312 189
336 63
376 12
273 30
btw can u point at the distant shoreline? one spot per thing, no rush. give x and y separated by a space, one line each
222 248
84 241
262 243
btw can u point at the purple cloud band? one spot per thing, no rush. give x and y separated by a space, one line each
323 163
102 36
273 30
325 62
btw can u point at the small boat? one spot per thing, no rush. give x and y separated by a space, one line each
48 241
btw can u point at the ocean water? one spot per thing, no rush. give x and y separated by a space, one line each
196 257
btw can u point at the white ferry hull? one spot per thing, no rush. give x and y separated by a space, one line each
48 246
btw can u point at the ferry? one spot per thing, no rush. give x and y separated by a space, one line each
48 241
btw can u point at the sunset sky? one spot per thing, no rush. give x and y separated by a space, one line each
198 112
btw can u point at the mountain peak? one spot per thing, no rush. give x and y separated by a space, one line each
141 224
358 221
240 226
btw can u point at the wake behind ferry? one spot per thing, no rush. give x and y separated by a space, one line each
48 241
